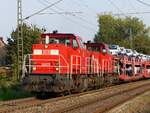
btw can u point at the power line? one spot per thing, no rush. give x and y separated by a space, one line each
87 22
118 14
144 3
85 5
115 6
131 4
134 8
53 4
81 25
78 17
66 13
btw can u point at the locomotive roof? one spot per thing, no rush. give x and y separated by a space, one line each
58 34
96 44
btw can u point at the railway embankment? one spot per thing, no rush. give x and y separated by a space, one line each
139 104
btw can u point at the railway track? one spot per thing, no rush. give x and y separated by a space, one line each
104 103
79 103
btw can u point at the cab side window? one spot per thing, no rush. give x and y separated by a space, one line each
75 44
97 49
67 42
81 43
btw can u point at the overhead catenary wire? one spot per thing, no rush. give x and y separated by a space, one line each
66 13
132 13
87 22
69 19
78 17
48 2
135 9
47 7
84 5
132 6
114 5
144 3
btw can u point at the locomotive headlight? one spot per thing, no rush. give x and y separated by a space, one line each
34 68
37 52
57 69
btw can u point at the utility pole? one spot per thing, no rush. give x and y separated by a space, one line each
19 39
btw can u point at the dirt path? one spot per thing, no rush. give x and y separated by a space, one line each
140 104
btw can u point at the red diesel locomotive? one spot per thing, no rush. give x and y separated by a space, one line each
62 62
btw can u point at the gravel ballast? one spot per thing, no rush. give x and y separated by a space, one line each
139 104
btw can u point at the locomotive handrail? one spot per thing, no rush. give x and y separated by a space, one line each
105 65
65 62
76 63
43 60
44 66
94 64
30 60
88 65
97 67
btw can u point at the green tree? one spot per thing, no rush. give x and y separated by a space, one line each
31 35
2 56
113 30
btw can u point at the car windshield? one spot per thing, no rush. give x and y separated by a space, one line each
112 47
135 51
128 51
122 49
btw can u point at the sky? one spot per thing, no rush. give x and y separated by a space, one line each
83 24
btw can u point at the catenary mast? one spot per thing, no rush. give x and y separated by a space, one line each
19 39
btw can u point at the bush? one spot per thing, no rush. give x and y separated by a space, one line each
9 91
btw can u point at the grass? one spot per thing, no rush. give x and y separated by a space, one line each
10 89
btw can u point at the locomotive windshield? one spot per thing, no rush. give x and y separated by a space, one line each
65 41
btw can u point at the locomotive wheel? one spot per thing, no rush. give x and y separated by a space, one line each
107 80
45 95
84 85
110 79
102 82
81 84
67 92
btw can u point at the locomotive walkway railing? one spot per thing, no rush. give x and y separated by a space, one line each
92 65
28 63
75 64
